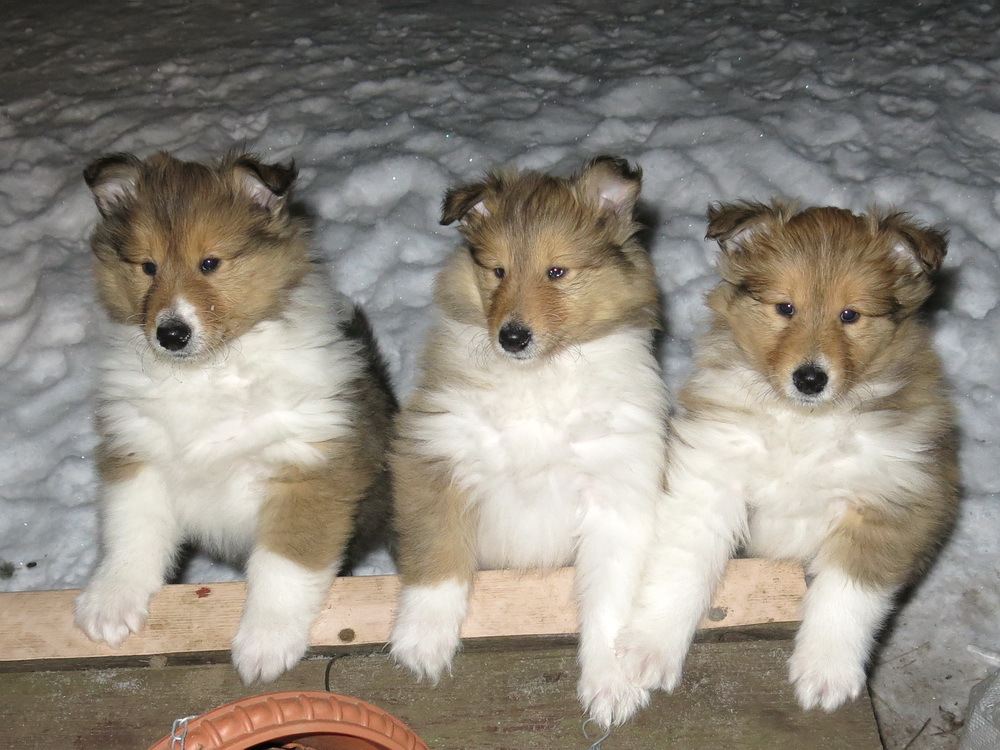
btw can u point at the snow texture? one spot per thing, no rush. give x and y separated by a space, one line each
385 104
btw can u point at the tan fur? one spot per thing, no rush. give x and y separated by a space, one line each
114 467
532 223
308 514
184 213
825 261
435 524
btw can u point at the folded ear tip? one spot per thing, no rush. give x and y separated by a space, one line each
99 166
459 201
617 164
612 182
112 179
267 185
729 221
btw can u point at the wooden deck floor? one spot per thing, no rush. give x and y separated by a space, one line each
513 688
734 696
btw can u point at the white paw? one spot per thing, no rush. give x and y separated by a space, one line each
650 661
426 633
609 697
825 681
263 649
423 649
108 613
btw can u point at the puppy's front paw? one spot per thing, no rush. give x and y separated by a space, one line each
427 655
263 649
426 633
108 613
650 661
825 680
609 697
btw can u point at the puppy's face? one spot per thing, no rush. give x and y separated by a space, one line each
549 263
815 299
193 255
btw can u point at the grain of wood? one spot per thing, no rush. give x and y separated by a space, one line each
194 618
734 696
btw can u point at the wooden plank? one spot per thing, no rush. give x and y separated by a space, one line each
191 618
734 696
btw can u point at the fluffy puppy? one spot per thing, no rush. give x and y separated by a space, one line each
536 435
816 427
241 405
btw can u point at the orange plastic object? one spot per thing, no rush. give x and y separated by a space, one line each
328 720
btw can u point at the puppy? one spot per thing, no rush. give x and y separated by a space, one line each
536 435
816 428
234 409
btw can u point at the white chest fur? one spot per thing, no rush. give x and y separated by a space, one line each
214 431
539 448
798 471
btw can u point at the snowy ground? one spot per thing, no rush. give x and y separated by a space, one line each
385 104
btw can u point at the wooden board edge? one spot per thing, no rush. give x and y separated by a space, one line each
192 618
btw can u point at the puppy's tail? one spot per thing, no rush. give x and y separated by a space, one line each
377 407
376 370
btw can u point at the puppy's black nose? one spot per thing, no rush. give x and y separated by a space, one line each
514 338
173 335
809 380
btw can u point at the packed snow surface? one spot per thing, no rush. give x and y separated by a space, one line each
383 105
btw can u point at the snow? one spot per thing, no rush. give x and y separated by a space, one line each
384 105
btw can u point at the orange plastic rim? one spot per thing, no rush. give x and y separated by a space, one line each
287 716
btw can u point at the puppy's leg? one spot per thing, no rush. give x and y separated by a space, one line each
437 561
866 559
304 526
140 540
841 618
615 537
699 524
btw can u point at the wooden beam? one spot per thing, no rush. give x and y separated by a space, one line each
733 695
190 618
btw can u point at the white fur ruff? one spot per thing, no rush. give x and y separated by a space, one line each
208 437
563 460
778 479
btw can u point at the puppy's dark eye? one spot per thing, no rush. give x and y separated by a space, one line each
209 264
499 273
149 268
785 309
557 273
849 316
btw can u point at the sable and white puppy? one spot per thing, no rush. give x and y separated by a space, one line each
816 427
240 406
536 435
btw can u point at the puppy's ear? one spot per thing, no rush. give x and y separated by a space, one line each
924 248
612 183
459 201
732 224
112 179
267 185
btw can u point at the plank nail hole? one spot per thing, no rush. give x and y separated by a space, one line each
717 614
346 635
